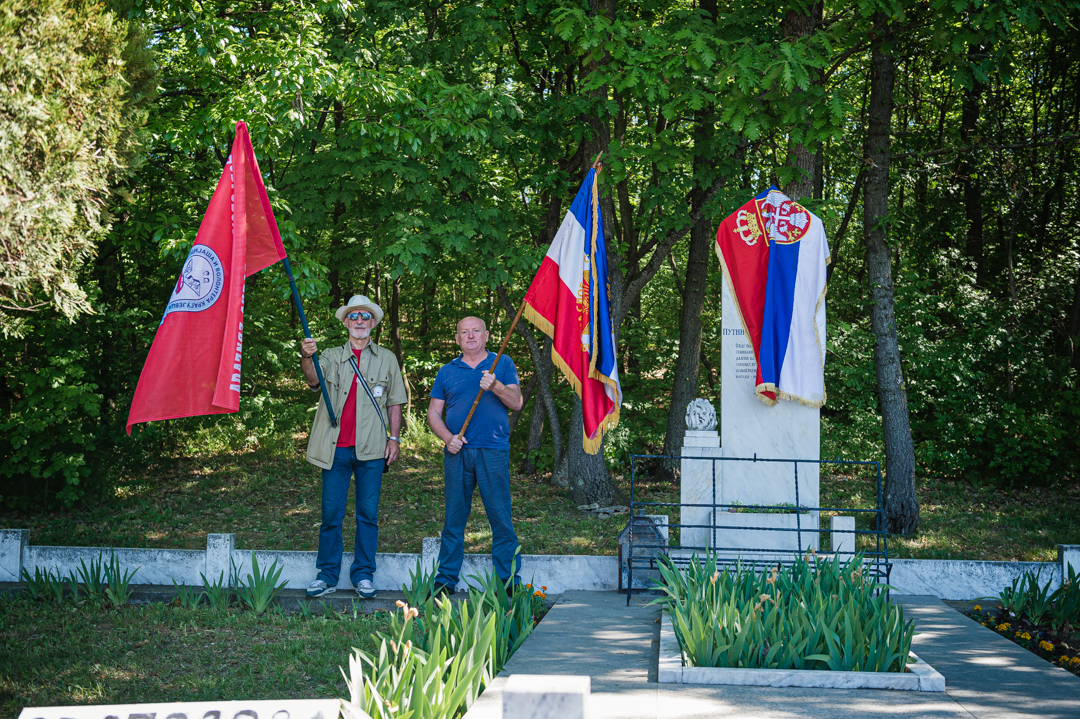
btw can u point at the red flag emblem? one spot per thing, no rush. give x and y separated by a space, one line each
194 363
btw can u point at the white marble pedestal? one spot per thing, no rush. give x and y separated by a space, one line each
700 484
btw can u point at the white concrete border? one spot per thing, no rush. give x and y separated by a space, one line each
945 579
162 567
919 677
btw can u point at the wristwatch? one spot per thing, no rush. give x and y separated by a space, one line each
395 439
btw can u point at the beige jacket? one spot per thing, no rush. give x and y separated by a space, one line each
380 368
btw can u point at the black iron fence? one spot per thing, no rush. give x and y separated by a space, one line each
647 536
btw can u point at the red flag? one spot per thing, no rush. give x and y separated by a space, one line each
194 364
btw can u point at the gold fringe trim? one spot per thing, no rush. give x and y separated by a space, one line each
593 280
592 445
785 395
817 337
539 320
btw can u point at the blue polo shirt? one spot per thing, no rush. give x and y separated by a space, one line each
457 384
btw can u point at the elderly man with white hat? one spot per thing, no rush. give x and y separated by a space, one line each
365 386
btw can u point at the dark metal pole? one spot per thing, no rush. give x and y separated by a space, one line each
307 334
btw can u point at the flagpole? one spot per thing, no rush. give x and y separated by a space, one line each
307 334
502 349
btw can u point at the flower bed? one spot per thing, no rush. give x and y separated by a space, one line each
438 654
1045 623
816 614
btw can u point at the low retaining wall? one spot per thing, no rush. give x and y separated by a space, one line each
952 579
559 573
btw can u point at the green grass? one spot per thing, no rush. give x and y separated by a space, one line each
55 655
270 499
960 521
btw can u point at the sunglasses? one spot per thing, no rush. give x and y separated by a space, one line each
354 316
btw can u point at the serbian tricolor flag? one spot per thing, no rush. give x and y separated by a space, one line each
568 301
774 255
194 364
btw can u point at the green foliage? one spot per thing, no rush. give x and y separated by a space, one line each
1064 611
49 430
118 589
427 161
822 614
1030 599
186 596
219 593
66 119
435 662
44 585
259 588
93 579
404 681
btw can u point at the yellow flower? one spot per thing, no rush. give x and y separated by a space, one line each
1003 627
1046 646
543 587
983 623
1075 661
978 608
1022 635
1064 659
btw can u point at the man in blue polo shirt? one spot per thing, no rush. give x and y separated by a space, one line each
480 458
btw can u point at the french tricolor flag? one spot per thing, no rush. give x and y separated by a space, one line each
774 255
568 301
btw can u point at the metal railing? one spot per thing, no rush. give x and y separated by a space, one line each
644 544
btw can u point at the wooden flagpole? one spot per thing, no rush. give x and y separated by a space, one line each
506 338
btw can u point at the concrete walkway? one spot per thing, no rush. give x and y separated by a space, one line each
597 635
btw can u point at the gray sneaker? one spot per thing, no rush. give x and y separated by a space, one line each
365 589
319 588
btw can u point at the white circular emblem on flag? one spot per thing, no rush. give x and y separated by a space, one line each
200 282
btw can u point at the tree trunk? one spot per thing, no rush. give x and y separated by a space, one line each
542 361
685 386
395 339
901 504
969 178
536 437
795 25
1074 322
337 294
587 474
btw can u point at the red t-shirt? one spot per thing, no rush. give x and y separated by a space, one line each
347 436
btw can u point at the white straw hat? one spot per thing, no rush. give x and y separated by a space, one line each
359 302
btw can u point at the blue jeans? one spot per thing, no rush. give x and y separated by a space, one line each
463 472
335 493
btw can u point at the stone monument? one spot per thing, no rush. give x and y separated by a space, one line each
749 427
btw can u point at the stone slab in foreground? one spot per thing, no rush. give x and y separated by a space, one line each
261 709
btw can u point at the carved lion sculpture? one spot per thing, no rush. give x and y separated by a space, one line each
700 415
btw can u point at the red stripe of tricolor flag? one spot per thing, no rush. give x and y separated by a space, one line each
564 303
194 363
